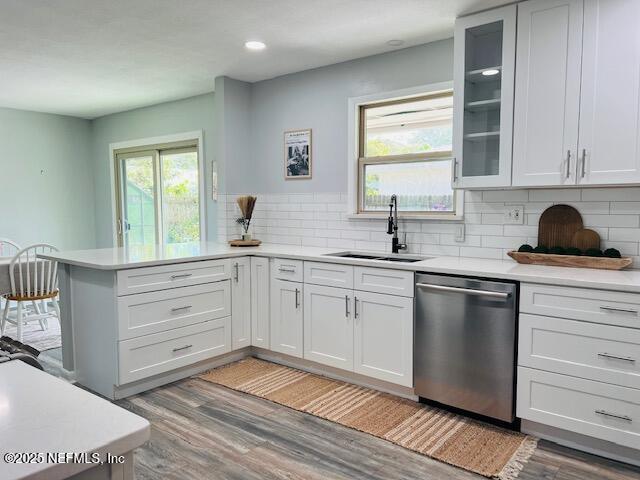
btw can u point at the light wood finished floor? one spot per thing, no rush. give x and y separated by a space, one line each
204 431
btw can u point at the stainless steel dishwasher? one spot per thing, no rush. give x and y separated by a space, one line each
464 351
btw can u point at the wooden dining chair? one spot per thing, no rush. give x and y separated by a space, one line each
32 279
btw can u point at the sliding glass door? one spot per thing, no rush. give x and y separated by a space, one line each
158 196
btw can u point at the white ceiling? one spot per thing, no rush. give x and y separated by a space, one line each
89 58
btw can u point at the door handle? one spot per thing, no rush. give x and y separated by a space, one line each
237 276
568 163
182 348
614 415
297 298
619 310
617 357
466 291
355 307
182 275
346 306
584 163
178 309
454 173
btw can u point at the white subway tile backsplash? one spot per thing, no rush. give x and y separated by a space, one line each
321 220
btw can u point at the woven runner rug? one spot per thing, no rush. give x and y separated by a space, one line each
457 440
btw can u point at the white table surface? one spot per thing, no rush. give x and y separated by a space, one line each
120 258
41 413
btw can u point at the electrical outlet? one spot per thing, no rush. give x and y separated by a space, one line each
514 214
459 233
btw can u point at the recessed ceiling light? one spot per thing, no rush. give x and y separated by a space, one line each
254 45
490 71
395 43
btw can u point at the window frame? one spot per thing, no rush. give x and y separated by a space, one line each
193 139
357 162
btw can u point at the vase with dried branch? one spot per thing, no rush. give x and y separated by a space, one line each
246 204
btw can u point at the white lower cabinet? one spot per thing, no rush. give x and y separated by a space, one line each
260 302
286 317
143 357
597 409
240 302
383 337
328 326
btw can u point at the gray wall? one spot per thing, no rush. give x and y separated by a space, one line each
194 113
46 191
317 99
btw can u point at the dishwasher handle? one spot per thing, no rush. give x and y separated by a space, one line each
466 291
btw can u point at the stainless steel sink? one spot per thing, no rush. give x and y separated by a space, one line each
401 258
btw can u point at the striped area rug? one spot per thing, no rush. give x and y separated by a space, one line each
457 440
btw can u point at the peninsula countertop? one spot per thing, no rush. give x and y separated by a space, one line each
40 413
122 259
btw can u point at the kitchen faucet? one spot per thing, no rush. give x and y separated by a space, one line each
392 229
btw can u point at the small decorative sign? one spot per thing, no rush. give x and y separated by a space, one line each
297 154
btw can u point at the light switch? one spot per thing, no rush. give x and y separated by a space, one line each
514 214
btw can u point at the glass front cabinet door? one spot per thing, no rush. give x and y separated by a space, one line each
484 61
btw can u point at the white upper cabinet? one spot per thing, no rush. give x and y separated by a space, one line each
484 61
547 92
608 149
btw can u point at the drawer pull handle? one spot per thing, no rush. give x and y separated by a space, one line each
182 275
614 415
177 349
179 309
288 270
620 310
616 357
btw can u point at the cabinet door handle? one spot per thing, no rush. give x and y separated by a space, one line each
236 278
355 307
178 309
619 310
346 306
568 163
614 415
181 275
584 163
616 357
455 172
297 298
177 349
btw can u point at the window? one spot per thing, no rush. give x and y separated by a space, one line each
158 194
404 148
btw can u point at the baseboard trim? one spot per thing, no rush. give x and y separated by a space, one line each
577 441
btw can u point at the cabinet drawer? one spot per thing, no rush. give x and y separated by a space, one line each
329 274
150 355
149 279
586 350
153 312
284 269
599 306
603 411
381 280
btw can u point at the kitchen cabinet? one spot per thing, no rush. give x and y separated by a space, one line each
260 302
241 302
577 93
608 148
286 317
484 65
383 337
547 92
328 325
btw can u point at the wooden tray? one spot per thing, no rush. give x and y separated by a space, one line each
603 263
244 243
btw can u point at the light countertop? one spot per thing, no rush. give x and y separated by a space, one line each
120 259
40 413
